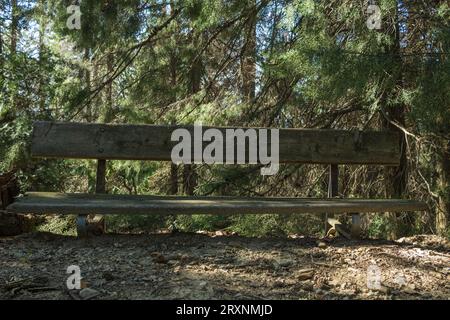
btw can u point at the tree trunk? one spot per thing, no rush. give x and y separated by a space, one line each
195 76
92 115
444 189
248 57
13 50
42 57
173 82
189 179
87 79
14 26
109 113
10 224
1 46
173 179
395 177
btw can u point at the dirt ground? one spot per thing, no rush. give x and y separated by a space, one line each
205 266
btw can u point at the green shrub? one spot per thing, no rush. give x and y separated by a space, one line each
63 225
193 223
134 223
378 227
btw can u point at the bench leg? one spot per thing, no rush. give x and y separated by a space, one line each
356 226
82 226
333 190
100 187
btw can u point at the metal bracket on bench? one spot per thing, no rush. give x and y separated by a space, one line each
339 228
82 226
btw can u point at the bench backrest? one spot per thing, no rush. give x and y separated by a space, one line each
153 142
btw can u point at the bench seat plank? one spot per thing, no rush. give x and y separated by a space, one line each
56 203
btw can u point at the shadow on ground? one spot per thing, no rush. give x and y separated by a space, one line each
195 266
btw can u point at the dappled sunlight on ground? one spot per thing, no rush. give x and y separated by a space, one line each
193 266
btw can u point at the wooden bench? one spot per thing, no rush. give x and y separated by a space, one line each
150 142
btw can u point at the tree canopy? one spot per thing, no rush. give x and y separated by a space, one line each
275 63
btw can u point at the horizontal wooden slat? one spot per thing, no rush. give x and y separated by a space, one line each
54 203
148 142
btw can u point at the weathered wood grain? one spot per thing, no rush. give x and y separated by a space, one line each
148 142
100 184
54 203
